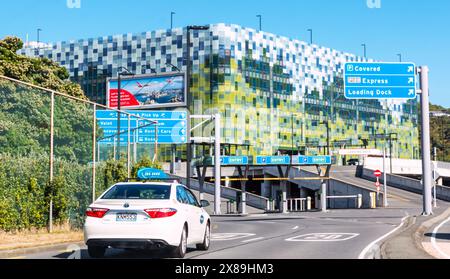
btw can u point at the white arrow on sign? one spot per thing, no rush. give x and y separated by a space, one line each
410 69
411 80
411 92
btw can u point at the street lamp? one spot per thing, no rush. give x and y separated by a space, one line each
38 36
365 50
399 57
310 35
125 72
171 19
260 22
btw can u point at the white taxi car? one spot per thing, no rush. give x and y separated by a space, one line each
147 215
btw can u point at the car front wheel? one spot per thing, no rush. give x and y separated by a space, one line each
206 239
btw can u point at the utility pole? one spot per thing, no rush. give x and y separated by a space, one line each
384 156
426 146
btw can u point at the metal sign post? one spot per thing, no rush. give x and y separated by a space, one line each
426 146
217 166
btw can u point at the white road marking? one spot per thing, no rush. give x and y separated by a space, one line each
323 237
229 236
266 222
253 239
294 228
433 239
362 255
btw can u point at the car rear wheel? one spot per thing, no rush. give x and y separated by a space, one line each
96 251
206 239
180 251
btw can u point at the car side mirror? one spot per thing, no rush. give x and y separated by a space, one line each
204 203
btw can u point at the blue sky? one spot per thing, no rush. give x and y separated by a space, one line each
417 29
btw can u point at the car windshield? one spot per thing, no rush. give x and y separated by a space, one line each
138 192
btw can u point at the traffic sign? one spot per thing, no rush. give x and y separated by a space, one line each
380 80
233 160
377 173
172 126
311 160
273 160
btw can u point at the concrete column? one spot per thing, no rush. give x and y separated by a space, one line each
266 189
284 205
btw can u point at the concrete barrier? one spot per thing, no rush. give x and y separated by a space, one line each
408 184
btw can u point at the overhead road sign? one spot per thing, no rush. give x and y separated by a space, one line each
311 160
273 160
172 126
233 160
360 152
380 80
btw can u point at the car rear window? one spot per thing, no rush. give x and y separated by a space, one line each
138 192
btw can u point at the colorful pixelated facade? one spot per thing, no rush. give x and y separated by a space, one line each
275 94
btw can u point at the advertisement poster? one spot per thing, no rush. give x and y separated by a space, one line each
148 91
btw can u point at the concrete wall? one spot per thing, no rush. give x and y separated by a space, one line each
403 166
408 184
336 188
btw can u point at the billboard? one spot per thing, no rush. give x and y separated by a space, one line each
148 91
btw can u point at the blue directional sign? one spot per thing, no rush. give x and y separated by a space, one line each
149 173
311 160
172 126
273 160
380 80
233 160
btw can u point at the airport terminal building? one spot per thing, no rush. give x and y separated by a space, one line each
275 94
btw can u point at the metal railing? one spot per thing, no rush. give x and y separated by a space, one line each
61 138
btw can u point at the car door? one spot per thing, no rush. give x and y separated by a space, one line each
186 207
198 217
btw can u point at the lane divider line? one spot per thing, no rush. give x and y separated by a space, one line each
253 239
362 255
294 228
433 239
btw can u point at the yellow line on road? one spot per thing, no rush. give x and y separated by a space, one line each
17 258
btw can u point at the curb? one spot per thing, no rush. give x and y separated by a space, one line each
25 251
419 234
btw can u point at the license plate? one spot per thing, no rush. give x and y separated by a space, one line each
126 217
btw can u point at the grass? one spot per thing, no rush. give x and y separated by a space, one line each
36 238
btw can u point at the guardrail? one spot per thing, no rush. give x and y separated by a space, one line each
299 204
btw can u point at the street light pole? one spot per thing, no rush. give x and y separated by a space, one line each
310 36
399 57
260 22
38 35
171 19
365 50
119 107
